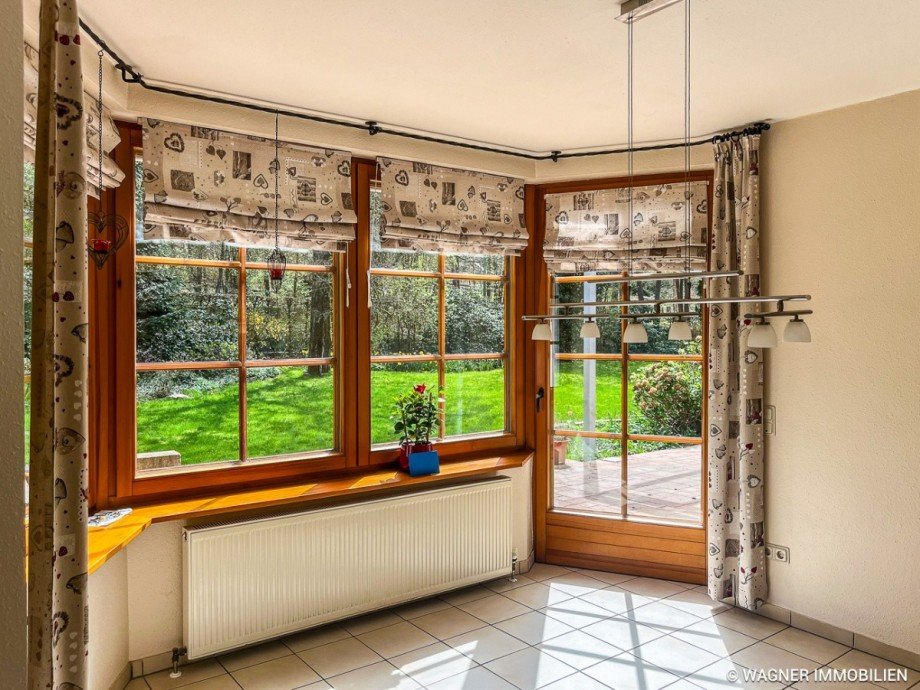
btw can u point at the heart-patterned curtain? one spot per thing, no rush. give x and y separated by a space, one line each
112 175
590 230
444 210
737 563
58 444
205 184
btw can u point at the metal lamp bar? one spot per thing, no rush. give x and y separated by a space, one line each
658 303
644 277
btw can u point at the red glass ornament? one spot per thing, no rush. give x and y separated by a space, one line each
101 246
276 265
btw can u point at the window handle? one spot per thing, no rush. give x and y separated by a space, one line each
540 395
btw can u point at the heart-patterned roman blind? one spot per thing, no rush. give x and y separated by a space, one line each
443 210
111 174
590 230
209 185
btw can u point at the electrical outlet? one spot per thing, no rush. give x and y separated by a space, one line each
769 420
777 553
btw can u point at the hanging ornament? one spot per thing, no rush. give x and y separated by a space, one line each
107 231
277 263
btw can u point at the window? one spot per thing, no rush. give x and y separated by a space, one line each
627 418
28 198
441 321
229 369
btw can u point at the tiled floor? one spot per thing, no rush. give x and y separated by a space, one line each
661 483
554 628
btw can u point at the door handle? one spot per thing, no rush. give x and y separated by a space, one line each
540 395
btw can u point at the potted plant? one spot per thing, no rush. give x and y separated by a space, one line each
560 449
416 415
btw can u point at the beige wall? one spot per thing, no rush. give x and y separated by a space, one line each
12 580
108 624
841 220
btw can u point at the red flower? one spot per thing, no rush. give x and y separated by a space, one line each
420 388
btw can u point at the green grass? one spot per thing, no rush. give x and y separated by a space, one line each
569 392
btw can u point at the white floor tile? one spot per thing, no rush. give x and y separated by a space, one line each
433 663
486 644
494 608
616 600
696 602
380 675
577 612
339 657
447 623
543 571
665 618
627 672
315 637
655 589
577 681
318 685
285 673
224 682
622 632
461 596
748 623
250 656
609 578
676 656
725 675
765 656
714 638
191 673
530 668
421 608
504 584
372 621
477 678
856 659
575 584
537 595
805 644
396 639
533 628
579 650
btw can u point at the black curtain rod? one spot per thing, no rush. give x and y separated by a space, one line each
132 76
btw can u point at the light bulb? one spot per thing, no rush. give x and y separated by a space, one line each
589 329
797 332
679 330
762 335
542 331
635 333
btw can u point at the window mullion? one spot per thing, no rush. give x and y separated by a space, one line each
442 340
624 409
241 340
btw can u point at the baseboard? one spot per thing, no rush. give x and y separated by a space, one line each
525 565
841 635
122 679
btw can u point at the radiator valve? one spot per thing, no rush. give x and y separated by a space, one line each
176 653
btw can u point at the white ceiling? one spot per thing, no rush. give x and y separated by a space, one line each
533 74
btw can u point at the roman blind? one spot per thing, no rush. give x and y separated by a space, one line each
111 174
444 210
591 230
210 185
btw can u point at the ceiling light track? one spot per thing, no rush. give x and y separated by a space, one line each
131 76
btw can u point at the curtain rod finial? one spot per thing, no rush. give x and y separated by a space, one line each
372 127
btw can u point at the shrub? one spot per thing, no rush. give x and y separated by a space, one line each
669 396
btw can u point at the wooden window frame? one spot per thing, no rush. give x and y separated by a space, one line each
113 481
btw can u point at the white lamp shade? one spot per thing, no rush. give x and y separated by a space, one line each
679 330
589 329
762 335
797 332
542 331
635 333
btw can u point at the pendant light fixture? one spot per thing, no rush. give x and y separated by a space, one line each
277 263
635 333
590 329
762 334
542 331
797 331
680 330
108 231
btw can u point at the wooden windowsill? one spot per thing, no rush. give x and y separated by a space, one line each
105 542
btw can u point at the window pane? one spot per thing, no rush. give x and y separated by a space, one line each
404 315
187 417
666 398
475 316
657 329
200 251
306 258
491 264
186 314
404 261
294 322
289 410
569 330
664 481
586 396
586 474
389 381
475 396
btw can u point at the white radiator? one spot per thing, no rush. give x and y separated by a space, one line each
245 582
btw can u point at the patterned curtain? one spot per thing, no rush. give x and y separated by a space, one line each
443 210
737 564
111 174
589 231
205 184
58 440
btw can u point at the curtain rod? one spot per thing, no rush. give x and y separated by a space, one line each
132 76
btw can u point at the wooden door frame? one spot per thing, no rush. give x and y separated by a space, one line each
631 546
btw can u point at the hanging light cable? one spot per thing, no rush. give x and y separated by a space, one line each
277 263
